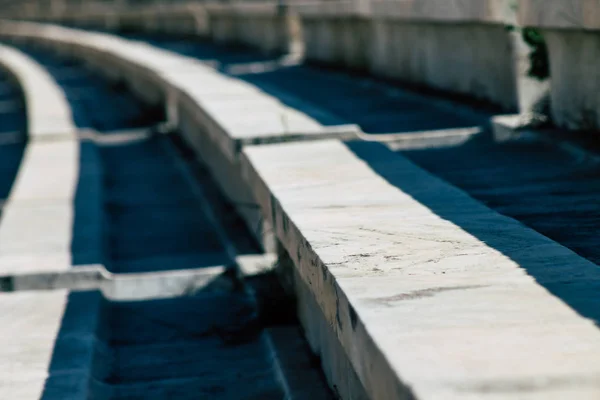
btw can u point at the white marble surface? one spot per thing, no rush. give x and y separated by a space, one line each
428 291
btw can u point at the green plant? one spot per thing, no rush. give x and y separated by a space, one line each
538 58
539 66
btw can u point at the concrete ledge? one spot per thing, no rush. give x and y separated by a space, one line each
428 293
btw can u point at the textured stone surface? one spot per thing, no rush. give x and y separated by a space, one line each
428 291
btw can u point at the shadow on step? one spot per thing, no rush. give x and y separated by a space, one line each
13 125
208 344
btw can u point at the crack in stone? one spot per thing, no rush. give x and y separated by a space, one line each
419 294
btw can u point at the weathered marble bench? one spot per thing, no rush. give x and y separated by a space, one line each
409 288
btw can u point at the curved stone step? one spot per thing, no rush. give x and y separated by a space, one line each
59 177
407 287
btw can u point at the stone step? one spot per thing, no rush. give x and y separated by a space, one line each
423 291
52 217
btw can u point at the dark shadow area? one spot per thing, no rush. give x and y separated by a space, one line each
207 344
224 211
13 127
529 182
155 220
329 96
87 243
74 348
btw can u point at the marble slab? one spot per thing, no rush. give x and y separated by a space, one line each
429 293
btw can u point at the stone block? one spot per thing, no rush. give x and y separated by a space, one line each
429 293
